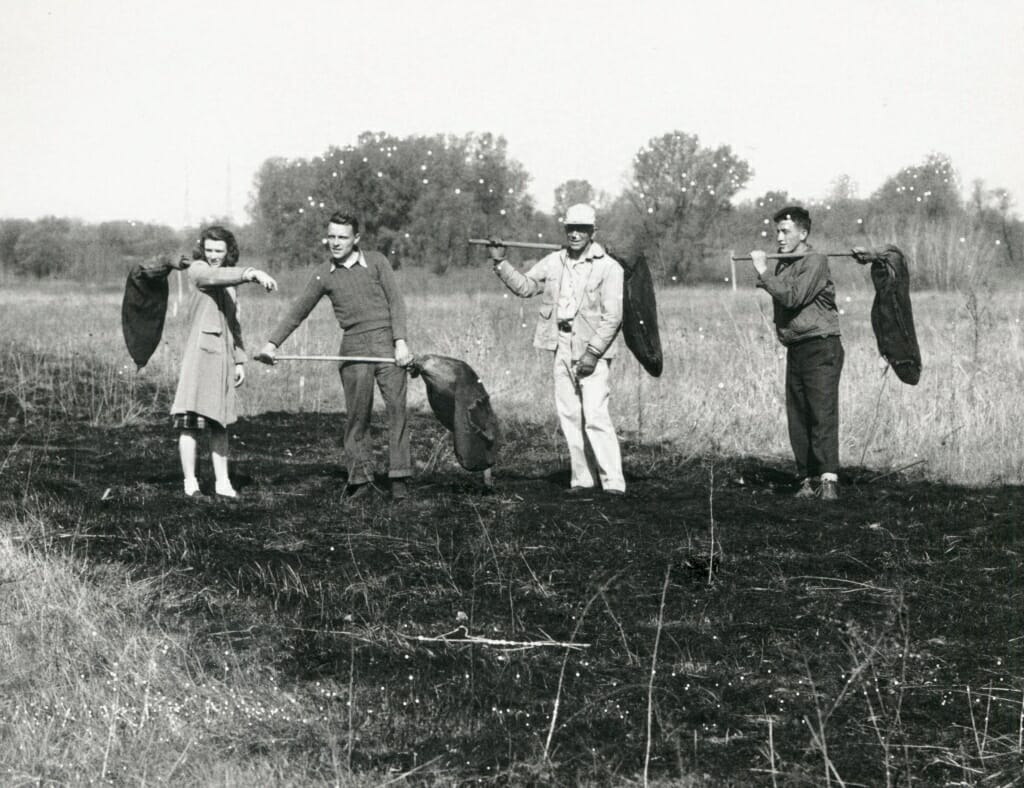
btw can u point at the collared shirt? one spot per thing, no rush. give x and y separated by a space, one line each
574 277
354 257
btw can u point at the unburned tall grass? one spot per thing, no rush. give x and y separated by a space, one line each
722 389
98 687
948 254
63 358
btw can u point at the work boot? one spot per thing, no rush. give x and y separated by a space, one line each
829 490
399 490
806 489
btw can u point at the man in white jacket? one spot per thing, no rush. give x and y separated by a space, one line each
580 316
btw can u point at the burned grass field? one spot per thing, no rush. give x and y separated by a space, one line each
705 629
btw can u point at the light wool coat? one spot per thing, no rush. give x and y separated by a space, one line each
206 384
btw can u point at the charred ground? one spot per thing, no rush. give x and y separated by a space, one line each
875 641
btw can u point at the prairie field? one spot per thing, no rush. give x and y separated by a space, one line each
721 392
706 629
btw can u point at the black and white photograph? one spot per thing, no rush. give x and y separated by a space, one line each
585 393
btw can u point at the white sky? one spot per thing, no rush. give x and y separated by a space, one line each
118 110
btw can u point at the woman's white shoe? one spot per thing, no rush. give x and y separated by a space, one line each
225 491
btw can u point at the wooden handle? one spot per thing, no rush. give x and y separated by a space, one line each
514 244
776 256
368 359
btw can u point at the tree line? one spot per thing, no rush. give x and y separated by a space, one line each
420 197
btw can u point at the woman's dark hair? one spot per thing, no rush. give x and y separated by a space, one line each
217 233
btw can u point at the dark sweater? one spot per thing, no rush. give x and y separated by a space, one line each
364 299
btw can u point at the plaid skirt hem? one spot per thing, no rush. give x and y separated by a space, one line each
190 420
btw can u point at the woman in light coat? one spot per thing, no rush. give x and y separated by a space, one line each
212 365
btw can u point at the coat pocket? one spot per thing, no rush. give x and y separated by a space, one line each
592 294
210 340
546 310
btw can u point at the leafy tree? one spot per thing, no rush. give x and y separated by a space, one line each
135 239
1001 203
930 190
418 198
10 231
993 210
45 249
278 208
749 225
572 192
679 191
436 231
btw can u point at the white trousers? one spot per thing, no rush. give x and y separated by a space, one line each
586 422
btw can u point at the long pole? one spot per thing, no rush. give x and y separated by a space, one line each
786 256
367 359
514 244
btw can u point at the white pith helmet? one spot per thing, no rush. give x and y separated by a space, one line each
580 213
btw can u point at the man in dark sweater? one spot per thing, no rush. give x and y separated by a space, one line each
807 324
370 310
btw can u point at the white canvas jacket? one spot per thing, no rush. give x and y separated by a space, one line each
598 315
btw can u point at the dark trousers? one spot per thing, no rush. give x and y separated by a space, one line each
357 380
813 368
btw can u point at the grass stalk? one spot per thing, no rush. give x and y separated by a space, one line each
351 733
875 415
771 750
711 523
1020 726
565 661
818 733
632 657
650 681
111 729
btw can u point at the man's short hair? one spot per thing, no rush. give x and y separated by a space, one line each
340 217
795 213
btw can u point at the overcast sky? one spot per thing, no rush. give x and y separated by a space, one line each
163 111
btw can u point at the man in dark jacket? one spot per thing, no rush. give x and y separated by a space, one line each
807 324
